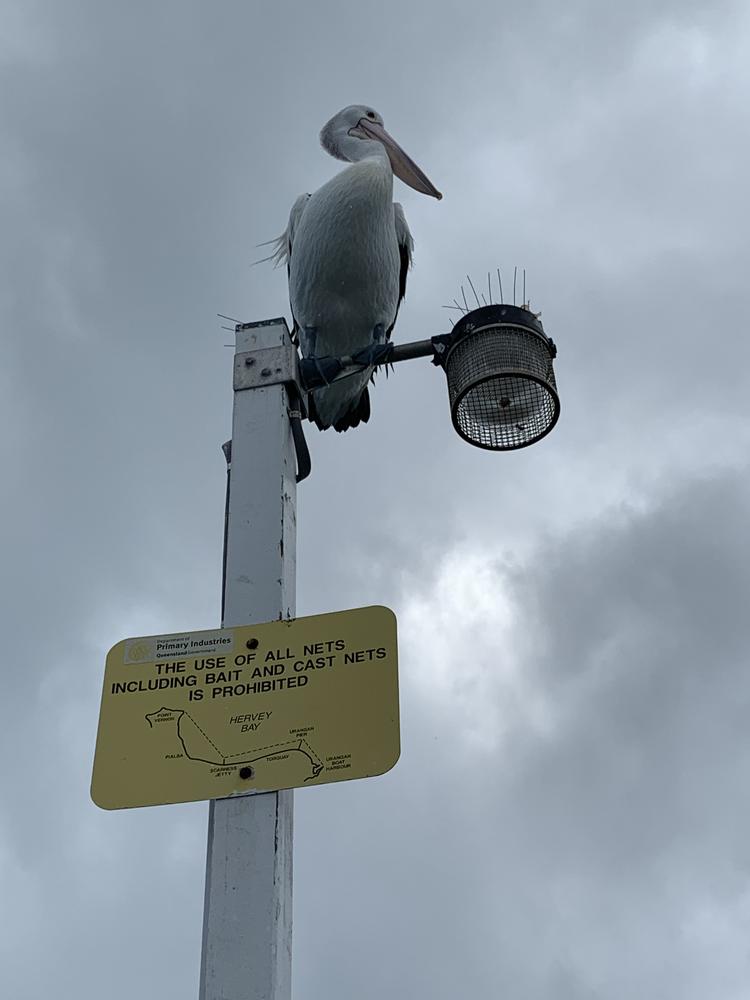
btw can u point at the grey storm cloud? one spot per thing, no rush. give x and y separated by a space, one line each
568 818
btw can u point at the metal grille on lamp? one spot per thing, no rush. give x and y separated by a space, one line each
501 383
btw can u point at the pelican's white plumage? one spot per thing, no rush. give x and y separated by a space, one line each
348 249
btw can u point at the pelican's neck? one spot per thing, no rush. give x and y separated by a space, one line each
354 150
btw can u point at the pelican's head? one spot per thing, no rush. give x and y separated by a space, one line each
349 136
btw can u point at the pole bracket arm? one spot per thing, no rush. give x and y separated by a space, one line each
266 366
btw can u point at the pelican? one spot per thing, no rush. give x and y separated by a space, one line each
347 249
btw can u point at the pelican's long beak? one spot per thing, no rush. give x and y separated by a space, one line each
403 166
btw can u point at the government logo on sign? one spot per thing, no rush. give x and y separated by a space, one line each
137 652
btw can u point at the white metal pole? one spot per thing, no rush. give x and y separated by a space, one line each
247 920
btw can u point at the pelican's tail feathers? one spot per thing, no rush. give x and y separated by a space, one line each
358 413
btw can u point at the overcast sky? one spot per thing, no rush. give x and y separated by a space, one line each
569 819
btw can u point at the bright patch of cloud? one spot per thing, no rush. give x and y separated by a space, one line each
463 647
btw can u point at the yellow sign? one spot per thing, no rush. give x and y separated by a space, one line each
287 704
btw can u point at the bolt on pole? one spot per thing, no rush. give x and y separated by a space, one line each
247 920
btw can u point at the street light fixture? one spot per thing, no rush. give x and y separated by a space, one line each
501 383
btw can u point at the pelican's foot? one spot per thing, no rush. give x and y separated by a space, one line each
375 354
317 372
308 336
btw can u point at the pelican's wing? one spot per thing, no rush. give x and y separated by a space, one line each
405 250
282 246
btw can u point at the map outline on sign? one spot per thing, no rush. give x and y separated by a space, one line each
244 756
